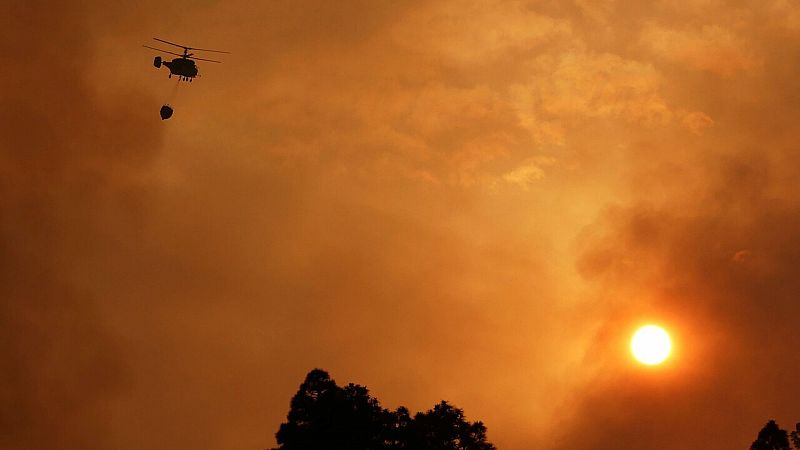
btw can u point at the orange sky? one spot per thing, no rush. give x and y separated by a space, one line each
471 201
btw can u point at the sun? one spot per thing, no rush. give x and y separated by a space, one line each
651 345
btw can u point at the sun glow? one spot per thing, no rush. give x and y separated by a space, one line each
651 345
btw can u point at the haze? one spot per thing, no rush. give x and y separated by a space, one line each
470 201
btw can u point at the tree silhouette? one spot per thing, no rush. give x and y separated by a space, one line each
324 416
795 436
771 437
444 428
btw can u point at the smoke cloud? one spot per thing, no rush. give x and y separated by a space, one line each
476 202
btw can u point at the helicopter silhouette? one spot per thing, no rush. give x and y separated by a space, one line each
184 66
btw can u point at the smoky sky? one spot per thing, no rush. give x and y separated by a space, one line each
470 201
68 160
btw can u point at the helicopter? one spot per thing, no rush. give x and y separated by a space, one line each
183 66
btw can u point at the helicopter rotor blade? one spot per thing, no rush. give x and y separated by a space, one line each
165 51
172 43
207 50
203 59
189 48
